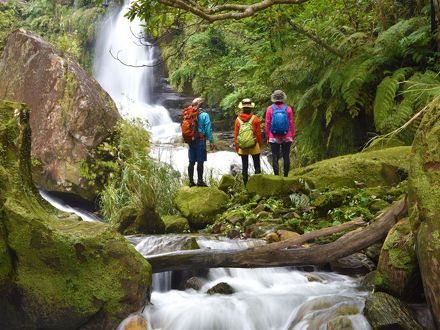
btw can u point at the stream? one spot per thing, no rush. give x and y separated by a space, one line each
269 298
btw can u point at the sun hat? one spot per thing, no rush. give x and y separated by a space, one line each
278 96
198 102
246 103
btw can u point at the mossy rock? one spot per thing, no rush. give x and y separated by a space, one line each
385 167
200 205
267 185
57 270
340 323
221 288
397 270
175 224
384 311
132 220
423 203
226 182
332 199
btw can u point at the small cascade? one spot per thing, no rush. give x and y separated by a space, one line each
264 298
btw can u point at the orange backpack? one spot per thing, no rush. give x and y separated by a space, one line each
189 124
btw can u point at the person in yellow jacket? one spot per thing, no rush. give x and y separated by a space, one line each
247 137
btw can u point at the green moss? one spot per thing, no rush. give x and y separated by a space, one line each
266 185
175 224
376 168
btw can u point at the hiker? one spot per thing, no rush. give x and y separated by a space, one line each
247 137
280 130
196 128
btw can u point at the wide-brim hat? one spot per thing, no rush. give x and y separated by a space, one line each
278 96
246 103
198 102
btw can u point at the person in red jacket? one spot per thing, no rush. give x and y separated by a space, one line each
278 138
255 148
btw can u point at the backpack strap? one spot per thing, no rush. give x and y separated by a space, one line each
240 121
274 107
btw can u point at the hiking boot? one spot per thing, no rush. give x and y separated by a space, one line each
192 184
201 184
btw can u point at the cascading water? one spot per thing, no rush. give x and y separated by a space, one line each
271 298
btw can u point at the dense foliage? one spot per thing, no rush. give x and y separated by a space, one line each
370 67
70 27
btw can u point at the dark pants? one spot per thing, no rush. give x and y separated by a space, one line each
285 148
245 165
199 172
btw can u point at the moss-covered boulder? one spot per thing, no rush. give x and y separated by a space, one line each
331 199
71 114
175 224
226 183
200 205
57 271
423 203
398 271
384 311
385 167
133 220
267 185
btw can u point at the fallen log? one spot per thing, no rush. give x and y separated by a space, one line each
299 240
351 242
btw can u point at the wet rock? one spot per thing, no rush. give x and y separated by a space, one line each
272 237
134 322
175 224
70 113
200 205
368 281
57 270
233 233
384 311
221 288
226 183
287 234
311 277
386 167
132 220
355 264
236 218
373 252
192 283
341 323
398 269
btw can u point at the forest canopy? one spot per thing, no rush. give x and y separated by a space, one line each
352 69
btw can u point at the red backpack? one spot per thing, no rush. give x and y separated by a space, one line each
189 124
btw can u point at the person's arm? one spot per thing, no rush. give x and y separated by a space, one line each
268 122
236 129
207 129
257 130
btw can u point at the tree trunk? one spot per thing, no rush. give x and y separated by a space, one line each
435 22
257 257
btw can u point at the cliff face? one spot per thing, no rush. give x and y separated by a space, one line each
56 271
70 113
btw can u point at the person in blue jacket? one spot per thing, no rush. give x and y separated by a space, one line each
197 151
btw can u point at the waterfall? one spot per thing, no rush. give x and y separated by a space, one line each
129 80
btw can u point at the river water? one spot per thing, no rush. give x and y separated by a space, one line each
270 298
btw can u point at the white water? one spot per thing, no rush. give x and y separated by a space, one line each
270 298
131 89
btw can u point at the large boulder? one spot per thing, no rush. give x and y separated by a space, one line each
398 270
70 113
267 185
386 167
424 205
200 205
57 271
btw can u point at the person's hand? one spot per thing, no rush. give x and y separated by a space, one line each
211 146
